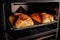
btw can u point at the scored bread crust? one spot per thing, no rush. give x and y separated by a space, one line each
11 19
22 21
42 17
36 17
47 18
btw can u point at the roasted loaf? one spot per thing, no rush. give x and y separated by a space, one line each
11 19
36 17
46 18
20 20
42 17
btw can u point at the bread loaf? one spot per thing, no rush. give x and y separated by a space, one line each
23 21
46 18
42 17
20 20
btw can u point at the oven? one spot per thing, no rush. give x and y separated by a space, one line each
37 31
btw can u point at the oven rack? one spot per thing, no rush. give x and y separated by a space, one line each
43 34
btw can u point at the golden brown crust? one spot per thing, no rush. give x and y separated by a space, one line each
23 16
46 18
36 17
11 19
22 21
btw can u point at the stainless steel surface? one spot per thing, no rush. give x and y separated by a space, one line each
43 0
44 37
32 1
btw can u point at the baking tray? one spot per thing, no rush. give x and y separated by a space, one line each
39 25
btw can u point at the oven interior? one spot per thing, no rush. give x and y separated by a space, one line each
36 31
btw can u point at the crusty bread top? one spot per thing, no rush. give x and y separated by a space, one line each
22 20
36 17
47 17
